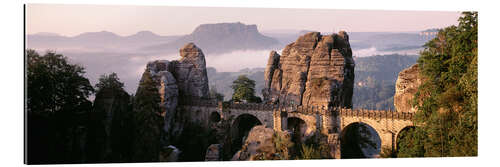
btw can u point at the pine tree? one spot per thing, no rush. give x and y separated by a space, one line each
148 121
244 89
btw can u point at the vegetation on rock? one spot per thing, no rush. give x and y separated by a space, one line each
148 121
447 98
111 132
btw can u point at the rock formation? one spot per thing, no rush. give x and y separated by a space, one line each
259 140
222 38
214 153
169 154
180 80
114 105
314 70
167 87
191 72
406 86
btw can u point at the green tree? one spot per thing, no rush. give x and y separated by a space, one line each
57 108
111 134
111 82
147 120
411 143
447 98
244 90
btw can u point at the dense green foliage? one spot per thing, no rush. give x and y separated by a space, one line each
111 133
413 143
244 90
374 84
110 81
57 109
447 99
148 121
282 145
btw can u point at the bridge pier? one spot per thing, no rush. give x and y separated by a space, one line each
388 140
280 120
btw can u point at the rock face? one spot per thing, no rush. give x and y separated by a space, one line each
406 86
167 87
169 154
115 107
180 80
214 153
191 72
314 70
259 140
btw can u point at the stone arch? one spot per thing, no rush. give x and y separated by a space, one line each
298 128
398 135
240 128
349 141
311 122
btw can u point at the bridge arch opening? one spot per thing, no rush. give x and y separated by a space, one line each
298 128
240 129
215 117
408 138
359 140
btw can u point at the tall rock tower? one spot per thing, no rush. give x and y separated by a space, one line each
315 70
180 81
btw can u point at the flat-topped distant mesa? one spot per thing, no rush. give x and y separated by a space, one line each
222 38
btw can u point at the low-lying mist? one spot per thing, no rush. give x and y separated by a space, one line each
372 51
130 65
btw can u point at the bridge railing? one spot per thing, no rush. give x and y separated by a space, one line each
374 114
337 111
252 106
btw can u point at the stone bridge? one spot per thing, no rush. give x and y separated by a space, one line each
302 121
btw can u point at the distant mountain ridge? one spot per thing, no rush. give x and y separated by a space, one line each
92 40
221 38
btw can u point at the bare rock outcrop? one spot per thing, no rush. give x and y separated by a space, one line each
191 72
167 87
406 86
179 81
259 141
214 153
169 154
314 70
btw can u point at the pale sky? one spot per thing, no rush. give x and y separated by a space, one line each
71 20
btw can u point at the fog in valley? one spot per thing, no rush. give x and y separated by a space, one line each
104 52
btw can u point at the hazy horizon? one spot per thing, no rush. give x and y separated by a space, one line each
100 56
168 20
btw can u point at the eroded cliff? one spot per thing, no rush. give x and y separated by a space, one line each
315 70
406 86
178 82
